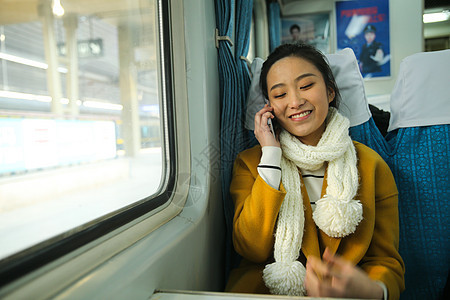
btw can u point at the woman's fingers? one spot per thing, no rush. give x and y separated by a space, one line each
318 278
337 277
337 263
262 116
321 269
262 131
312 281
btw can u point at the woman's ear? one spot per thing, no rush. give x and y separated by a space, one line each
331 95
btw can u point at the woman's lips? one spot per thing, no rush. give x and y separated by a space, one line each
300 116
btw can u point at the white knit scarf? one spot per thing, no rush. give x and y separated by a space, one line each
336 214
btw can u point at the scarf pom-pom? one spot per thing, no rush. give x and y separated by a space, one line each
285 278
337 218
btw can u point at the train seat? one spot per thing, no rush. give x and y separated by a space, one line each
417 150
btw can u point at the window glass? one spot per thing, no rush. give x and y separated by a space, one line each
81 130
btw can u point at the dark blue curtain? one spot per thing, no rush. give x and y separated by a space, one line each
234 84
274 16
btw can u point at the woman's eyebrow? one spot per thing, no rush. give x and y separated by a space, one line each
303 76
296 80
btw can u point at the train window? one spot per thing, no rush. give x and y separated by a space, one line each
85 121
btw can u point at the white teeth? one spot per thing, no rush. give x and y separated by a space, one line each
301 114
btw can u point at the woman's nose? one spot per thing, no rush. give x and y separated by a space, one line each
296 101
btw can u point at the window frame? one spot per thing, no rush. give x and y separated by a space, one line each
41 254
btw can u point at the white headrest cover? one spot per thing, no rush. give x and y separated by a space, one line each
350 82
348 78
255 98
421 95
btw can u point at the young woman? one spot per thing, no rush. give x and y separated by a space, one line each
315 213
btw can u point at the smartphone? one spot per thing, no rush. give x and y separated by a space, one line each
269 123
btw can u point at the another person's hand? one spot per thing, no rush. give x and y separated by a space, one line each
263 134
336 277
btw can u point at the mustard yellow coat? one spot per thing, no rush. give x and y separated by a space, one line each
373 246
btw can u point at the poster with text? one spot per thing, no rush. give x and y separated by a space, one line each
312 29
364 26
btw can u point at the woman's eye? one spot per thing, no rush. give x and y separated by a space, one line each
280 96
306 86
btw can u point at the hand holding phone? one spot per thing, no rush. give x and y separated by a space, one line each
269 123
264 129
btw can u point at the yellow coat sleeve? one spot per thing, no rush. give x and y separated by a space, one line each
256 206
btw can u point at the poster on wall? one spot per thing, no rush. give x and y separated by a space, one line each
363 25
312 29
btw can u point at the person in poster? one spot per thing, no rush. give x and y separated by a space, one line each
312 29
372 52
295 33
364 27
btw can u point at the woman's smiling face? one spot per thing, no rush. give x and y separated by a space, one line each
299 97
